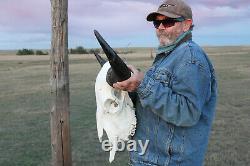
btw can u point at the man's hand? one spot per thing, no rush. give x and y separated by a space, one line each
132 83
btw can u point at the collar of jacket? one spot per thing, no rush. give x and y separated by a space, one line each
168 48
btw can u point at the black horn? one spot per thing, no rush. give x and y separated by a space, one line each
100 59
119 70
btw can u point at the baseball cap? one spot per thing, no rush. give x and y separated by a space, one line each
172 9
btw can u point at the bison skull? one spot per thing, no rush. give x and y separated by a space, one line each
115 113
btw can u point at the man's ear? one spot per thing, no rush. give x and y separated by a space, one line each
187 24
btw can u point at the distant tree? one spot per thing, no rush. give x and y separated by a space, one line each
78 50
40 52
92 51
81 50
25 52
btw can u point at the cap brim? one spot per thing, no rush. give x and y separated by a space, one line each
152 16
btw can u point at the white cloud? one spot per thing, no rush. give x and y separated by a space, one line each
111 17
120 21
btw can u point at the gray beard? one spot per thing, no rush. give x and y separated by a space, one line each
166 38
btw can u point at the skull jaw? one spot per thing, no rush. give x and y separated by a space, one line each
118 126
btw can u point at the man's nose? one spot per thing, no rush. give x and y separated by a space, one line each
161 26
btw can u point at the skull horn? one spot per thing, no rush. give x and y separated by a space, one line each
119 70
100 59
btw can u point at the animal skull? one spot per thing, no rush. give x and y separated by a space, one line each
115 113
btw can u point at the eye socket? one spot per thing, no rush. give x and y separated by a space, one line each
117 94
114 103
111 106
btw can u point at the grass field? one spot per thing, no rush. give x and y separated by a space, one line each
25 109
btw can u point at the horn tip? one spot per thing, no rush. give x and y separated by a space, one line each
95 32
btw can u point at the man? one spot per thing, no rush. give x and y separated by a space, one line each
176 97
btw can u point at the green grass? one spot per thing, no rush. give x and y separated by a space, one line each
25 111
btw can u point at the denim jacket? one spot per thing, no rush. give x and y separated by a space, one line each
175 108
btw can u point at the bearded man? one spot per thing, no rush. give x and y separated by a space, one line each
176 97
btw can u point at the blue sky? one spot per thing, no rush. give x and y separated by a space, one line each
27 23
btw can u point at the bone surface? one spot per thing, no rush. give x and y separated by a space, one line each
115 112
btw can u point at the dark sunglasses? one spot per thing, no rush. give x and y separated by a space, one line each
167 22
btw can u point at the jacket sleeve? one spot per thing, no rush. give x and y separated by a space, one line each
181 103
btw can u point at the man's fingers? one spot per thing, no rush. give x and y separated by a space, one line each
117 86
132 83
120 85
123 84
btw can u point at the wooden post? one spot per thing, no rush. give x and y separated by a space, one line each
59 79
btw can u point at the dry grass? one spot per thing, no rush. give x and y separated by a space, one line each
25 106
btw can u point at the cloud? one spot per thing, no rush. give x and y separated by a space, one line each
25 16
108 16
29 21
221 3
220 15
115 20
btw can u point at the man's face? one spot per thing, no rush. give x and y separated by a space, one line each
167 35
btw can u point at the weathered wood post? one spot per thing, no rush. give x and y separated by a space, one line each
59 79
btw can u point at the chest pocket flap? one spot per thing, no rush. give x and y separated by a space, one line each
164 76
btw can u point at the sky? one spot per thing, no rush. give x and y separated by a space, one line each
27 23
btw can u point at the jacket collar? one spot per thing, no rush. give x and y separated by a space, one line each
169 48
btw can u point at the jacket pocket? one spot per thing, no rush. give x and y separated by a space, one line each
164 76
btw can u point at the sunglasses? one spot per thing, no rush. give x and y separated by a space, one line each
167 22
